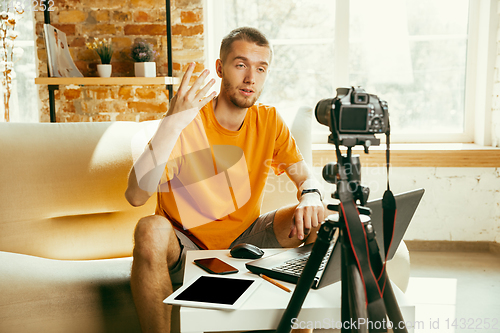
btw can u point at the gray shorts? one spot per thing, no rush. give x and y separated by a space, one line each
260 233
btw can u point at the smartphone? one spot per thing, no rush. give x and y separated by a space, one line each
215 266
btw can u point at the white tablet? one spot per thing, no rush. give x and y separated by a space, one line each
214 292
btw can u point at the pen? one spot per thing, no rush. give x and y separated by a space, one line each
277 284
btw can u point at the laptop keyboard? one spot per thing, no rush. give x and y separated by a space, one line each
296 266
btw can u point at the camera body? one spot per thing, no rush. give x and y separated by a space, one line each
354 114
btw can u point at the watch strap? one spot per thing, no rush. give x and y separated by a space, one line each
312 190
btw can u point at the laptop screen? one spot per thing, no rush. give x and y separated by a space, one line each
406 205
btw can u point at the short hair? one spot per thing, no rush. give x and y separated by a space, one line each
247 34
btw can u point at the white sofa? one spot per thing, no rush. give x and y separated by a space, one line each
66 228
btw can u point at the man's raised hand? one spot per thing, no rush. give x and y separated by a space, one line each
188 101
184 107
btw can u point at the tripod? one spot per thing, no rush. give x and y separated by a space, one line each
367 295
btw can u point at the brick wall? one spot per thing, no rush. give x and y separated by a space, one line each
123 21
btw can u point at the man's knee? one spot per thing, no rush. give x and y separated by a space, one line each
152 236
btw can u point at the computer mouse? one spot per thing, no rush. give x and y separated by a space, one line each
246 251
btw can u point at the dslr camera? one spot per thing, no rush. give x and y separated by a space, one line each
354 117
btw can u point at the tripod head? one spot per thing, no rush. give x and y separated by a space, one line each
352 169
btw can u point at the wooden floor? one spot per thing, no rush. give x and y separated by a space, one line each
476 279
454 291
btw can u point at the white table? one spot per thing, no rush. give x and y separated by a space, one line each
263 310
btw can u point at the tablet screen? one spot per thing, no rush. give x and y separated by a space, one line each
215 290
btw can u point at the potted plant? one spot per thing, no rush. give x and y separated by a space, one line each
104 49
143 55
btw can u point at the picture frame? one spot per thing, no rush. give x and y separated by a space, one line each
60 63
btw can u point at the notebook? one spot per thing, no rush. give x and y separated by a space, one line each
288 265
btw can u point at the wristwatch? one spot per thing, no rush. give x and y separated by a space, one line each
312 190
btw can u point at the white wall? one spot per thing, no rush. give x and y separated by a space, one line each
460 204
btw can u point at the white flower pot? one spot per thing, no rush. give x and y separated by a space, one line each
145 69
104 70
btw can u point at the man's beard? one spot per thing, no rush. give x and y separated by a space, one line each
239 101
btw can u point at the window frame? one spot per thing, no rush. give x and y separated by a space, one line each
24 41
481 56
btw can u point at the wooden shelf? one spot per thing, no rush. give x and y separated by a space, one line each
418 155
130 81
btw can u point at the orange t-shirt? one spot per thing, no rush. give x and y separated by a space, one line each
213 184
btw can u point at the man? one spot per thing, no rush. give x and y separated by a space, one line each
210 156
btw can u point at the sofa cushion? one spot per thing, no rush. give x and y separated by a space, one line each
280 190
299 120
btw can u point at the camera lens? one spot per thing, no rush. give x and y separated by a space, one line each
323 111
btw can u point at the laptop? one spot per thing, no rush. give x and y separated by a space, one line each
288 265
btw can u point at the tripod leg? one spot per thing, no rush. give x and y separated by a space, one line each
354 310
357 300
345 313
393 310
307 277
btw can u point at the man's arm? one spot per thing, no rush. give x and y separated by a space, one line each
310 211
147 170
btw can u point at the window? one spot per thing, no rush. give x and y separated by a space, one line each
302 34
413 54
24 96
